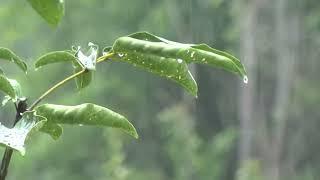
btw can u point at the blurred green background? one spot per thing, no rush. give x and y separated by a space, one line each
267 129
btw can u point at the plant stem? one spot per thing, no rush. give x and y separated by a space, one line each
55 87
20 108
9 151
100 59
5 163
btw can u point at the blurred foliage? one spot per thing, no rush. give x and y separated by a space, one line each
181 138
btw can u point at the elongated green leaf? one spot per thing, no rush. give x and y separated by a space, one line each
173 69
50 10
55 57
6 87
149 44
54 130
8 55
85 114
16 137
64 56
17 91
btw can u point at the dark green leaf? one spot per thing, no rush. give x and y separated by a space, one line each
6 87
50 10
85 114
55 57
16 137
8 55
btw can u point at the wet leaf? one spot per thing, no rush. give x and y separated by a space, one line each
55 57
88 60
16 137
147 43
85 114
50 10
173 69
7 54
7 87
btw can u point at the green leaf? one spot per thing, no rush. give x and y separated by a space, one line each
85 114
173 69
6 87
50 10
84 79
8 55
55 57
54 130
240 70
16 137
146 43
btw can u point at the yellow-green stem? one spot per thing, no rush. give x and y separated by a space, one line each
55 87
100 59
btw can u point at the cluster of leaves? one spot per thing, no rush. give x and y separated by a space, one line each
149 52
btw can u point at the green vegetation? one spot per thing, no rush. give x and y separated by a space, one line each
164 57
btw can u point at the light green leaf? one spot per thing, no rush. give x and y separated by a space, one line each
50 10
146 43
7 54
6 87
16 137
85 114
173 69
16 88
55 57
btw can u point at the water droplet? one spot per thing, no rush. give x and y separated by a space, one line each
245 79
143 62
104 53
192 54
162 71
203 59
169 76
36 69
179 77
120 55
80 124
90 44
179 60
